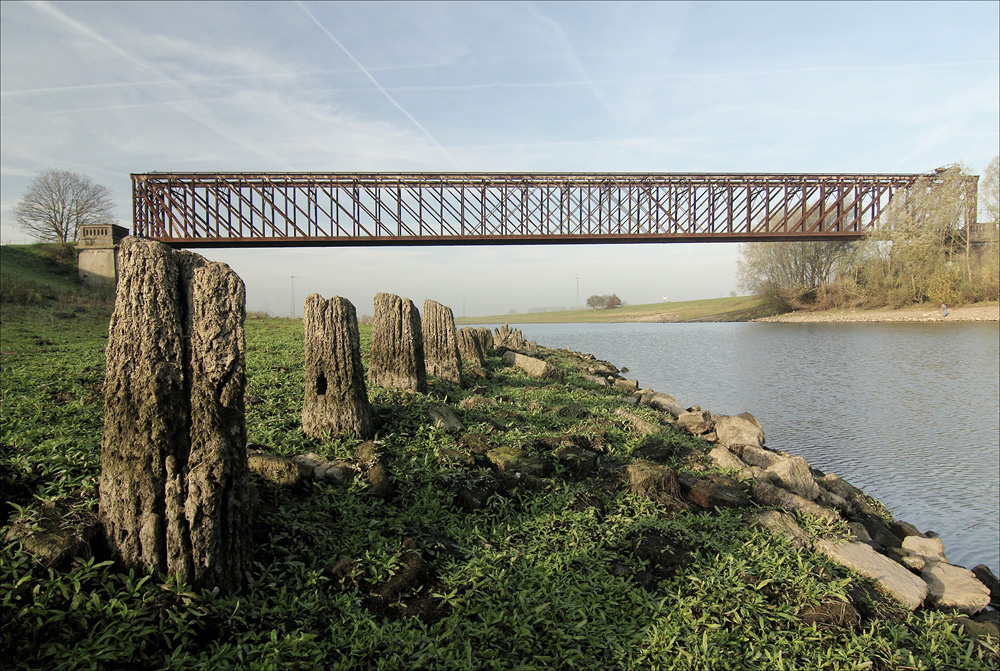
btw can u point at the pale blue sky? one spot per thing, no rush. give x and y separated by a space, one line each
108 89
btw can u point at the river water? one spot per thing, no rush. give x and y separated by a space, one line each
907 412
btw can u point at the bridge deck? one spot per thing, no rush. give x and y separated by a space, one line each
288 209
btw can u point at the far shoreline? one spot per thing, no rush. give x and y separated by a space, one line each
978 312
743 309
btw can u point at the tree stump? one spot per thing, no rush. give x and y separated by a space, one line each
470 347
397 347
441 355
336 398
485 338
175 493
508 338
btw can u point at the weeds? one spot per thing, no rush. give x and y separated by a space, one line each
543 572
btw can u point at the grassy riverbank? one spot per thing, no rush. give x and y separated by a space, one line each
739 309
563 567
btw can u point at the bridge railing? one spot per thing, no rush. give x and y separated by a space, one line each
273 209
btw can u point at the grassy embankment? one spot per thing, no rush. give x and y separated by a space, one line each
568 571
739 309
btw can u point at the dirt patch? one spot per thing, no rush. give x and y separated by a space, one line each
981 312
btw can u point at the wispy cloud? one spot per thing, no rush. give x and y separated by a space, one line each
374 81
201 118
569 55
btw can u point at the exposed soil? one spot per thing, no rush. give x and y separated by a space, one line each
980 312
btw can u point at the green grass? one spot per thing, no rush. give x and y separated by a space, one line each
741 308
547 573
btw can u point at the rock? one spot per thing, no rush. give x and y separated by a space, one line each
756 456
954 587
470 346
443 416
279 470
397 345
652 480
741 429
906 588
627 385
979 629
859 532
902 529
536 368
639 425
336 397
50 539
986 577
599 381
478 403
880 533
768 495
511 460
835 484
780 523
793 474
930 549
174 443
723 458
695 423
374 466
830 500
441 355
664 402
831 614
338 471
710 495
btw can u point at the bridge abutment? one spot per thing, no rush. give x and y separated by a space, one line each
98 254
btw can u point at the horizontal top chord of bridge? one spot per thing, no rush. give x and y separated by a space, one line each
287 209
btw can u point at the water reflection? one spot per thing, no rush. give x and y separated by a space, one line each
908 412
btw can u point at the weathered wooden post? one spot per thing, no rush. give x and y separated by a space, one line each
470 346
175 493
440 343
397 349
336 398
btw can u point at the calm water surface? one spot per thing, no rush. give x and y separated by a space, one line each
907 412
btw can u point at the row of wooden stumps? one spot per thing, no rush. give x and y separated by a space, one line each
175 494
405 349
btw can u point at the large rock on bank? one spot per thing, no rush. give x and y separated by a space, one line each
954 587
895 579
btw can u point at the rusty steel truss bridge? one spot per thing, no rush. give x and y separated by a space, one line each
343 209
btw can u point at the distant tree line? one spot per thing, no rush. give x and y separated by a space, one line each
604 302
927 247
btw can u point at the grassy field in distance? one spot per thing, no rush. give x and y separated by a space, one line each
740 308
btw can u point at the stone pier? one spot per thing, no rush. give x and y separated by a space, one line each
98 254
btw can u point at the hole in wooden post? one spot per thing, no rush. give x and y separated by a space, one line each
321 385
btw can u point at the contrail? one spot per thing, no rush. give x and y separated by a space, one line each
377 85
47 8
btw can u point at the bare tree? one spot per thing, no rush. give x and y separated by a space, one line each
59 202
784 272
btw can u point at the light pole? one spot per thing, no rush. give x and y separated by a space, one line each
293 278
